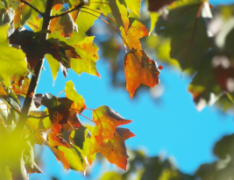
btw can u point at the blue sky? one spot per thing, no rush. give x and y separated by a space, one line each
171 126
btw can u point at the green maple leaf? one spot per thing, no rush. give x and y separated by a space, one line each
12 60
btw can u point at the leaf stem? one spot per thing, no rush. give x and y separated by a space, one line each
74 9
30 5
90 109
87 117
110 26
60 93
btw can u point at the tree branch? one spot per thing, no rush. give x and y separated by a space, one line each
37 71
30 5
74 9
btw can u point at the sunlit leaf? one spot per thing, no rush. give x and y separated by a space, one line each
12 60
115 150
136 31
84 26
54 65
153 19
134 5
140 69
88 53
107 120
60 156
78 101
103 6
75 158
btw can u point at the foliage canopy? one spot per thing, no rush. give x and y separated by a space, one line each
58 30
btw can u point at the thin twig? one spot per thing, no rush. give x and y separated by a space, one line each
30 5
100 14
98 3
90 109
74 9
124 40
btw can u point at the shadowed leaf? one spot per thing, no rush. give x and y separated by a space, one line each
158 4
120 13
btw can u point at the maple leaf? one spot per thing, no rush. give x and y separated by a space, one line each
62 52
140 69
88 52
78 101
106 121
115 150
82 139
59 111
136 31
35 48
82 59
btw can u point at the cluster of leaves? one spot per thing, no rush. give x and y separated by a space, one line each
157 167
56 30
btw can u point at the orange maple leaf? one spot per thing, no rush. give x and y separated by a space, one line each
140 69
107 120
115 149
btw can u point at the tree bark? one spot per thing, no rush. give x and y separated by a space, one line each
37 72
